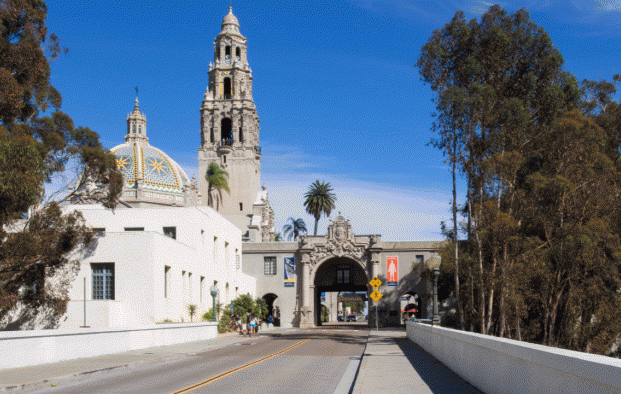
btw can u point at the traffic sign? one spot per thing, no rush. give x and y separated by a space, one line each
375 282
376 295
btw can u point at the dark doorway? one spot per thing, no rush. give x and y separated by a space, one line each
225 128
339 274
272 310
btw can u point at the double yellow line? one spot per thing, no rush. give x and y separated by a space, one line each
232 371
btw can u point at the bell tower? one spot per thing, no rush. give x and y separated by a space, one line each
230 125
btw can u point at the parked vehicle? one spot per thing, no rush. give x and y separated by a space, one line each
339 318
351 317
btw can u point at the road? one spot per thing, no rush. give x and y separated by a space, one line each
308 361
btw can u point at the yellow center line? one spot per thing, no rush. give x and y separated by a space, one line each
232 371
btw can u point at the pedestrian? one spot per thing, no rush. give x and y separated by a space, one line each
270 320
253 325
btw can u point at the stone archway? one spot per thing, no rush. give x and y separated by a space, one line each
337 274
320 258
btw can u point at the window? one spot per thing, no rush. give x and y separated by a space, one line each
139 129
241 206
269 266
342 276
420 259
241 135
166 280
170 232
226 254
200 288
134 228
238 53
103 281
133 128
227 52
237 260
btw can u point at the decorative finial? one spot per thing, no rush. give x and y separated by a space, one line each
230 6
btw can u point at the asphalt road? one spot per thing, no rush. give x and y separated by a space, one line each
304 361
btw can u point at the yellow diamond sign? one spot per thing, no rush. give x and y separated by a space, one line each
375 282
376 295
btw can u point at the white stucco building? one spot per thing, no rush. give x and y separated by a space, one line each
148 265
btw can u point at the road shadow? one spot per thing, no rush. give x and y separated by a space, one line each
439 378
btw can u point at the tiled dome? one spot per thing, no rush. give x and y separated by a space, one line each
158 171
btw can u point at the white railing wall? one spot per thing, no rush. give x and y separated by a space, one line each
23 348
500 365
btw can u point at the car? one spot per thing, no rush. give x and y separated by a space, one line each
351 317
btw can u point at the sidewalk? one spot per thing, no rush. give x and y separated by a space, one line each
44 375
393 364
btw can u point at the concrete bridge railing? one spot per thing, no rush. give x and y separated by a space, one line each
500 365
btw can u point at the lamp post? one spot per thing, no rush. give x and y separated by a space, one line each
214 293
433 263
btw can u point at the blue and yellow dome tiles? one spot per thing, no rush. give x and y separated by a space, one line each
157 171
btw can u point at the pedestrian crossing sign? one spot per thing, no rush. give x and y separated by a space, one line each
376 295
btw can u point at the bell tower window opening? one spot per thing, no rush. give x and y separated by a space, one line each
211 136
139 129
227 52
238 53
134 128
217 53
225 127
227 88
241 135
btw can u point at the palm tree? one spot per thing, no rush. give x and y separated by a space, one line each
294 228
278 237
319 199
217 180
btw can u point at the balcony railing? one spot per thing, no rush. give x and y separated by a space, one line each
226 142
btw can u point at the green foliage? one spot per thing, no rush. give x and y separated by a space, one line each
355 307
217 180
294 228
541 161
192 311
278 237
319 200
35 150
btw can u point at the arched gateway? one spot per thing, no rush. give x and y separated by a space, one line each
340 261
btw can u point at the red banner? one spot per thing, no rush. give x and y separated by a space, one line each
392 271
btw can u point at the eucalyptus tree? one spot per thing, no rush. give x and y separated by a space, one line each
36 151
499 85
319 200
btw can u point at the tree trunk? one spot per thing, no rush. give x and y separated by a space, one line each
456 238
316 222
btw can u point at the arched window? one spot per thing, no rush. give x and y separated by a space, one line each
238 53
227 52
227 88
134 128
225 128
139 129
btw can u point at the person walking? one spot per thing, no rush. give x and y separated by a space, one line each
253 325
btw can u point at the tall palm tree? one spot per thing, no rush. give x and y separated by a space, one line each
319 199
217 180
294 228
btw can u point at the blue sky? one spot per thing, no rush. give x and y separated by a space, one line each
336 89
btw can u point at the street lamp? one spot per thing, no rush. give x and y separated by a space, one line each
214 293
433 263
